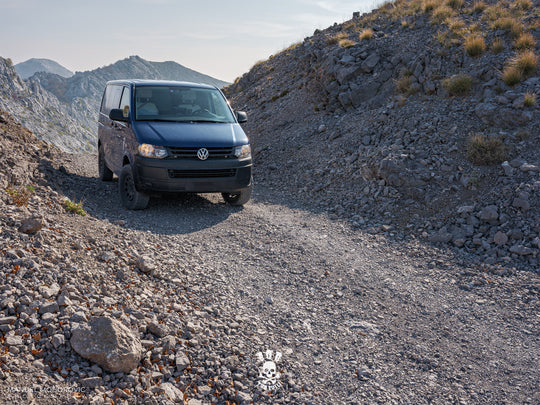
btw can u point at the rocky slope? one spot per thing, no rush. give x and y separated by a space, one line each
368 120
63 111
172 304
28 68
41 112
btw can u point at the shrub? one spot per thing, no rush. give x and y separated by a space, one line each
511 75
529 99
366 34
336 38
474 45
527 62
525 41
478 6
442 13
21 195
482 150
497 46
430 5
458 85
455 4
346 43
509 24
523 4
77 208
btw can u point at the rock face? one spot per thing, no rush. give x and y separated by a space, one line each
108 343
63 110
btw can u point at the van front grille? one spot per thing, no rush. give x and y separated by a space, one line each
191 153
201 173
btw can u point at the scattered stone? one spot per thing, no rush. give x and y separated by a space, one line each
31 225
108 343
500 238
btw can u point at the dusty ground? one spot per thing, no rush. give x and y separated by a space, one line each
359 317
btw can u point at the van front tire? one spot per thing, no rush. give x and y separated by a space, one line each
131 198
239 198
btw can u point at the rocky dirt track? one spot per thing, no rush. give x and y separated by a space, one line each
358 317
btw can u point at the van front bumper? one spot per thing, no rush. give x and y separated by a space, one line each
179 175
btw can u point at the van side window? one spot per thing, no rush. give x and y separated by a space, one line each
125 101
111 98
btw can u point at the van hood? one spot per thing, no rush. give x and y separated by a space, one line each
188 134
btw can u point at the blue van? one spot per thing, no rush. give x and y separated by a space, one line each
172 137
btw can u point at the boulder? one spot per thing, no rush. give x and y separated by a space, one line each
108 343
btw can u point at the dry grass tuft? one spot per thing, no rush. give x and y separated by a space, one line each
527 62
455 4
366 34
529 99
509 24
458 85
511 75
475 45
525 41
479 6
442 13
497 46
482 150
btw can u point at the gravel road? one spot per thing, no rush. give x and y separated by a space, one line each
359 317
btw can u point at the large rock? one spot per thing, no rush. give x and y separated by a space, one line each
108 343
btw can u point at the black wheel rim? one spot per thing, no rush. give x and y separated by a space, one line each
129 187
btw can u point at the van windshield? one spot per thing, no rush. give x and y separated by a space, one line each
181 104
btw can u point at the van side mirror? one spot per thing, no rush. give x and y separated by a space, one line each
241 116
117 114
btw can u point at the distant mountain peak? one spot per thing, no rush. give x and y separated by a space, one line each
31 66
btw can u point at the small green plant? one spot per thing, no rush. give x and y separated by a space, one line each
77 208
525 41
474 45
458 85
483 150
366 34
21 195
529 99
497 46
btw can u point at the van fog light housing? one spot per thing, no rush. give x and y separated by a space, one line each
242 152
152 151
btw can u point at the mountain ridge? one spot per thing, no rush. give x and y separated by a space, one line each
29 67
64 111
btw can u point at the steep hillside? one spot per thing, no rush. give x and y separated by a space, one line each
28 68
420 117
40 111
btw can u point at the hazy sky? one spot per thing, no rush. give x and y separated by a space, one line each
220 38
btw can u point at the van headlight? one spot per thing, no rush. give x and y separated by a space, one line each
242 152
152 151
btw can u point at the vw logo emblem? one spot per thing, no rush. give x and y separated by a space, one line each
202 153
